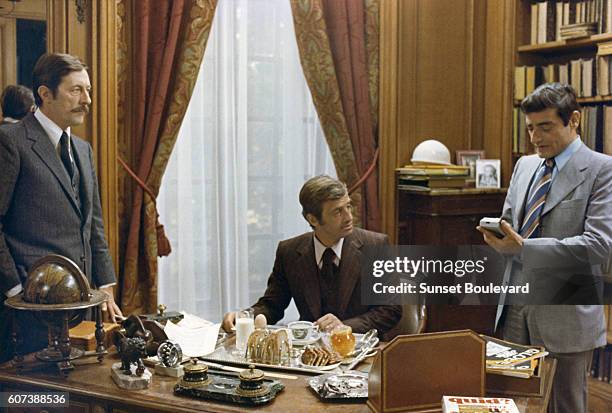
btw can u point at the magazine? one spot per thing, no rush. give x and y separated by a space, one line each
505 353
465 404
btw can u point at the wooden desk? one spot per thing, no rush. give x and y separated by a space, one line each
93 391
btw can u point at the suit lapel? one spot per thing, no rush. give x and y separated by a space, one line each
46 152
309 277
572 175
81 154
349 266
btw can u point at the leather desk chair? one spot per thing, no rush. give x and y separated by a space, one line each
412 322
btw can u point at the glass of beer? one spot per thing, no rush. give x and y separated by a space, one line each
343 340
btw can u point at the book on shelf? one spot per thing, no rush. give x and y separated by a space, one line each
554 20
590 77
519 82
576 72
431 182
607 129
467 404
593 125
587 77
430 169
603 75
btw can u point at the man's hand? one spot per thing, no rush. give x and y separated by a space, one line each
228 321
328 322
511 244
110 307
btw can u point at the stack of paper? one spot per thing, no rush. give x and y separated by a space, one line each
196 336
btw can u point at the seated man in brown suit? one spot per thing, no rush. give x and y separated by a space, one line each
320 270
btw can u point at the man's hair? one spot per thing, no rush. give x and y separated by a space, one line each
17 101
50 69
317 190
552 96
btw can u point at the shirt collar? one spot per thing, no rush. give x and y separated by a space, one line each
53 131
320 249
566 154
8 119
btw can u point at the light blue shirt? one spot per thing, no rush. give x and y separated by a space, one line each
563 157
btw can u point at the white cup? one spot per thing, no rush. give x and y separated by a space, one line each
303 330
245 325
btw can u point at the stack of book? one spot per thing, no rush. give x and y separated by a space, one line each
554 20
463 404
426 177
578 30
511 359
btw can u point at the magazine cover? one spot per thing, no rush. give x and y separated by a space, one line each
463 404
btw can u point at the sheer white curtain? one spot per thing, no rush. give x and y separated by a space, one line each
249 140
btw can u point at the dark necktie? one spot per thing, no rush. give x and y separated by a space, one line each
327 268
537 200
65 155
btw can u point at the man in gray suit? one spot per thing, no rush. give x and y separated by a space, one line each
558 223
49 201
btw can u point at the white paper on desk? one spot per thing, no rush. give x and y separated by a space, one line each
194 342
193 321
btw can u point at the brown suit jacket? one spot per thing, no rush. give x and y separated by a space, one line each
295 275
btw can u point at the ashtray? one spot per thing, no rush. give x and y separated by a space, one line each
351 386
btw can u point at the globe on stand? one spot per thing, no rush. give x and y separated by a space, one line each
58 294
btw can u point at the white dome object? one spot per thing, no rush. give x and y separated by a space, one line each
431 151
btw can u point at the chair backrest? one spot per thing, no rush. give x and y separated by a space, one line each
412 322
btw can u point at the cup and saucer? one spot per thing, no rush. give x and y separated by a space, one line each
303 333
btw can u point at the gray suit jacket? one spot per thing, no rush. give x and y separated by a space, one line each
295 275
38 209
575 242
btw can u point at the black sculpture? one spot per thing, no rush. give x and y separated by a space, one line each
132 350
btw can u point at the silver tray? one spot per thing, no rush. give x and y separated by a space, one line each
226 353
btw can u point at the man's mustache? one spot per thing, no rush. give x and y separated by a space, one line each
83 109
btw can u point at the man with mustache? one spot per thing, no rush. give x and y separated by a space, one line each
320 270
49 200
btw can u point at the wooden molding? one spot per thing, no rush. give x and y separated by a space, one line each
30 9
8 51
104 71
387 135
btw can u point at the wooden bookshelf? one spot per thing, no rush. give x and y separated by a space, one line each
565 46
584 101
538 60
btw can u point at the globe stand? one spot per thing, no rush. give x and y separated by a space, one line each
58 318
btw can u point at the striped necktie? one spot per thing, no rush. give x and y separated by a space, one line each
537 199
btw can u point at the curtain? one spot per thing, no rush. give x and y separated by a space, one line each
338 43
169 42
249 140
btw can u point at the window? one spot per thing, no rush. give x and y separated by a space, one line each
249 140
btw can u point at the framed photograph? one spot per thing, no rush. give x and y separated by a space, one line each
469 158
488 173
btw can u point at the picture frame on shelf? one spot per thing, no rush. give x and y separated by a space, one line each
468 157
488 173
